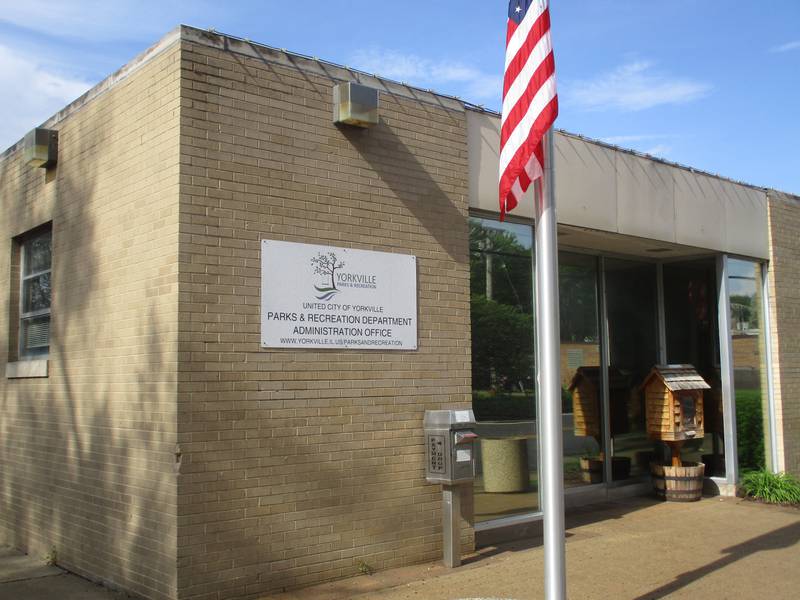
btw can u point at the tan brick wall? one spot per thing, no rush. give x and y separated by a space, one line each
747 351
784 289
299 464
87 454
589 352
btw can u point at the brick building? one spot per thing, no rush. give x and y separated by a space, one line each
149 437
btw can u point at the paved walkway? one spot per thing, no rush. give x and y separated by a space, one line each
28 578
632 550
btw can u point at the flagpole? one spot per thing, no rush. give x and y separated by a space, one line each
547 319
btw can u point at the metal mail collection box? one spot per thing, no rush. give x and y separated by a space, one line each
449 446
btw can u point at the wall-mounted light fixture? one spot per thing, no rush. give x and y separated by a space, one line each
355 104
40 148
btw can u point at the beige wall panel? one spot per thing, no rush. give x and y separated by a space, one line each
746 222
483 140
604 189
586 187
699 211
645 198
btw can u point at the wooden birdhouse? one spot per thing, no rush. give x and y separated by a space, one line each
674 403
586 407
585 391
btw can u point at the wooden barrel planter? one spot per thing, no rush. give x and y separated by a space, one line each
678 484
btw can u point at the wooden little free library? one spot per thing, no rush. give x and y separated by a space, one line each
674 405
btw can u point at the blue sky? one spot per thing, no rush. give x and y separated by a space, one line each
714 84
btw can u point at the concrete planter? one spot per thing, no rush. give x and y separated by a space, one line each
505 465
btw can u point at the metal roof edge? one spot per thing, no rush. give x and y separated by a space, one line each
212 38
644 155
318 66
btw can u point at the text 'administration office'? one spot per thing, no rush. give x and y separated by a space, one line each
227 315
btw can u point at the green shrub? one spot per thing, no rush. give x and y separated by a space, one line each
749 429
503 406
780 488
511 406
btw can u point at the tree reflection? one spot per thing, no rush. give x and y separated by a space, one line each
502 321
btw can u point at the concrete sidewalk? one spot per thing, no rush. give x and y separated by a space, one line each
632 550
29 578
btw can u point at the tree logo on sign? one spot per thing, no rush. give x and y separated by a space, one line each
326 265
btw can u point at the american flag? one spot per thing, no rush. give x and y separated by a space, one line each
530 103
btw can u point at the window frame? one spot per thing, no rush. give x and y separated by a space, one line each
24 242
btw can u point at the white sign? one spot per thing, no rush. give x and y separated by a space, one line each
464 455
462 416
328 297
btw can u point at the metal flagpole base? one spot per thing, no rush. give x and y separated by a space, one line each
451 525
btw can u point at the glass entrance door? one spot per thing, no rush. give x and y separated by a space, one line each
581 381
692 336
632 313
619 317
596 403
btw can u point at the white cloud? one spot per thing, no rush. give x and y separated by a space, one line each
38 93
100 19
661 150
635 86
648 143
795 45
443 75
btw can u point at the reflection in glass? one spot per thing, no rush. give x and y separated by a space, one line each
580 370
633 351
38 251
36 293
690 305
503 383
749 364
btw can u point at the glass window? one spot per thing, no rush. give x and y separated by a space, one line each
503 376
581 380
35 294
749 362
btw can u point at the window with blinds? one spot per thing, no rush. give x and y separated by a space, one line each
35 292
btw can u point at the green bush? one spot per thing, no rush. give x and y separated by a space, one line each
503 406
749 429
511 406
780 488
